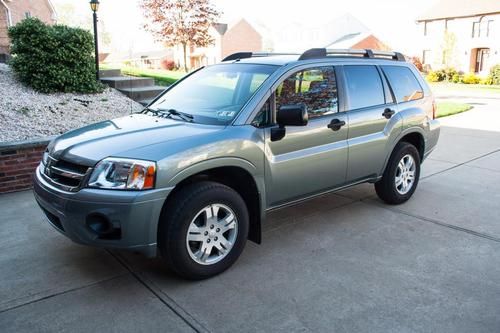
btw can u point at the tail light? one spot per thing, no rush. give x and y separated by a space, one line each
434 109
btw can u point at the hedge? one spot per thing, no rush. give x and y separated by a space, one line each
53 58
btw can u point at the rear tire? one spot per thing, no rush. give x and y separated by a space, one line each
401 175
203 230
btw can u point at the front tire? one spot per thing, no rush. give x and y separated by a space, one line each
401 175
203 230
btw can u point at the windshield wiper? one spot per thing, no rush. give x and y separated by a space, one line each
168 113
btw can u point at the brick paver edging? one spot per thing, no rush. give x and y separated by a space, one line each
18 161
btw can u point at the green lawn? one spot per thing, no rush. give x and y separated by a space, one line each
162 77
495 89
449 108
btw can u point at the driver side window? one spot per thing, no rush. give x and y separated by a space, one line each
315 87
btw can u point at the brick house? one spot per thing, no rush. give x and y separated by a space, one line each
359 40
13 11
463 34
241 36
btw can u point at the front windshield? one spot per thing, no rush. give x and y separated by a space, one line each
216 94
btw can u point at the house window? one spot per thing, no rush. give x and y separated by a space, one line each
489 28
27 14
425 28
475 29
482 27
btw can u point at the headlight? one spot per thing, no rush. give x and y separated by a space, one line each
122 173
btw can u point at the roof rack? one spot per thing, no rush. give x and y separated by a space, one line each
243 55
366 53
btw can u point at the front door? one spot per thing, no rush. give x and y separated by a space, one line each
482 57
312 158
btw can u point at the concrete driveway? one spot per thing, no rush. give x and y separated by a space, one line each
343 262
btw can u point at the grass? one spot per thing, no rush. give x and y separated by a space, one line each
162 77
466 87
445 109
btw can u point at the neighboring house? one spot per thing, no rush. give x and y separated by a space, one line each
241 36
13 11
359 40
300 36
463 34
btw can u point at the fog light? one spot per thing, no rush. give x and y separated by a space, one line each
99 224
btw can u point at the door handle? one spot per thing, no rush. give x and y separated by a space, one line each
336 124
388 113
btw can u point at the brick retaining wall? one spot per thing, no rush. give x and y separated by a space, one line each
18 162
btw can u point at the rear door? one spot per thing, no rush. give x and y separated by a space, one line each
372 116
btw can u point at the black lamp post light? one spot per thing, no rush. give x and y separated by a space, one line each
94 5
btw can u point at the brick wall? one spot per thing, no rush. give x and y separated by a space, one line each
17 165
241 37
18 11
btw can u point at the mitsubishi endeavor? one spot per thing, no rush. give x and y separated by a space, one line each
191 177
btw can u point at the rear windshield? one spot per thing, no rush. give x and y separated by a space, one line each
216 94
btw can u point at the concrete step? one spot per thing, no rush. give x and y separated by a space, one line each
109 73
145 102
142 93
121 82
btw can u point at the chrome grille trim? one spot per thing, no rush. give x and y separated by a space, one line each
57 175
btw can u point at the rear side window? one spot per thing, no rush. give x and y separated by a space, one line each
364 86
404 83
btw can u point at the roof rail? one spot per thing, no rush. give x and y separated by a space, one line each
366 53
243 55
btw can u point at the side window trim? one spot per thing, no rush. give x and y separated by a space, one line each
390 97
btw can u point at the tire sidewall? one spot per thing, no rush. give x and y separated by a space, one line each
401 150
175 242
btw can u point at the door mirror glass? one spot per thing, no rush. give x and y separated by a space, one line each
292 115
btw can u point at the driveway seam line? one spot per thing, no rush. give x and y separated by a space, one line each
461 164
171 304
63 292
437 222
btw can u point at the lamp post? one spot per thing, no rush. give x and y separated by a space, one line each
94 5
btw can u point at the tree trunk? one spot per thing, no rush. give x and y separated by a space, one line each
185 56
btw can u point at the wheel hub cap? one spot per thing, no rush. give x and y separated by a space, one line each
405 174
212 234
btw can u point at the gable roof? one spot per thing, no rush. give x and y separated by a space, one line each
460 8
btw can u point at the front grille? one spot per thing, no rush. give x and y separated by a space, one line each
54 220
65 175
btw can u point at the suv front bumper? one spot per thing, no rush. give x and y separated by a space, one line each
132 215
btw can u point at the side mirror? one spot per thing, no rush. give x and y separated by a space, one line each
289 115
292 115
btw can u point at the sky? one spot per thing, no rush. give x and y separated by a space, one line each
392 21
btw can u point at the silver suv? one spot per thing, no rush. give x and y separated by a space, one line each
192 176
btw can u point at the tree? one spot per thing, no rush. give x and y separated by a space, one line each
184 22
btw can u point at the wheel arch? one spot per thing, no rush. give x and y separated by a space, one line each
414 136
238 174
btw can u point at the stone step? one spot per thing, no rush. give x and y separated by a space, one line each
145 102
142 93
121 82
109 73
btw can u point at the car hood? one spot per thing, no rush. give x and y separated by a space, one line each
92 143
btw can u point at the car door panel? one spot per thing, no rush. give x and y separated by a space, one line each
307 160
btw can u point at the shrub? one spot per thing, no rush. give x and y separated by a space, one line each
487 80
53 58
456 78
167 64
471 78
433 77
495 74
